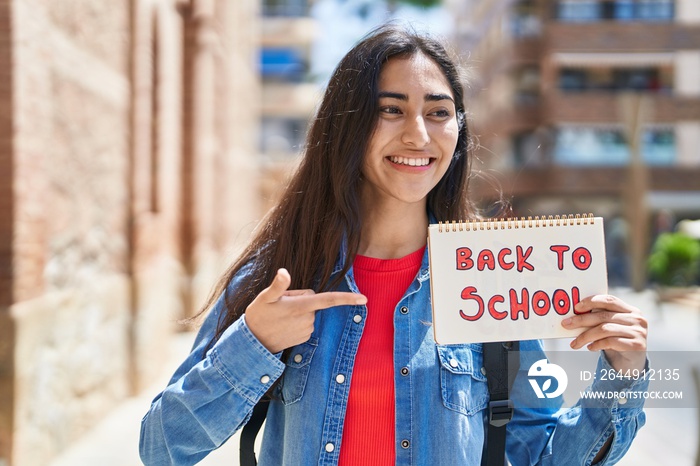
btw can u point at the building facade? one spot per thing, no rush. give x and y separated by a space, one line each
128 177
289 92
589 106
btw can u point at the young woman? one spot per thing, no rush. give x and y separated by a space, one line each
328 309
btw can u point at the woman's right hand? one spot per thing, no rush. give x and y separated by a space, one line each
281 318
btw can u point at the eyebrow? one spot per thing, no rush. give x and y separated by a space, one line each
428 97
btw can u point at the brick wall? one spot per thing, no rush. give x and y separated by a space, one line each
70 307
603 108
7 334
128 179
154 264
616 36
6 161
222 94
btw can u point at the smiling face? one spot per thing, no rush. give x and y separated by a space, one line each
415 136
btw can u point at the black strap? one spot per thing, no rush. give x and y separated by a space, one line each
501 362
250 431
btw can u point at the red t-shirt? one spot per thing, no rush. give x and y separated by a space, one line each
369 430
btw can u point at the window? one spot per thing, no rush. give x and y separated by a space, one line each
528 84
655 10
624 10
579 10
285 7
528 149
608 146
525 21
642 10
607 10
636 79
659 146
616 10
572 80
282 135
646 79
589 146
285 64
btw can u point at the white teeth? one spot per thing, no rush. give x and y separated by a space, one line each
412 162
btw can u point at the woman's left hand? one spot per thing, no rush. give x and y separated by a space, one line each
613 326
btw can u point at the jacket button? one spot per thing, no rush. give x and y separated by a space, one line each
298 358
264 379
357 318
340 378
404 371
454 363
403 310
330 447
405 444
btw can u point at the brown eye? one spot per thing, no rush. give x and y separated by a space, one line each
390 110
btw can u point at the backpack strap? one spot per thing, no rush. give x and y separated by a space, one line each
250 431
501 362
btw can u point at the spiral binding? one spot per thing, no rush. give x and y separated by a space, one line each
522 222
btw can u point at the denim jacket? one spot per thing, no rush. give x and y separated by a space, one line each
441 400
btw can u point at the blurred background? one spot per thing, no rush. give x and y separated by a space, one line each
142 140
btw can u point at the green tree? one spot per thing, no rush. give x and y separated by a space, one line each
675 260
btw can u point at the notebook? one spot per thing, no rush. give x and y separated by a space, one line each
513 279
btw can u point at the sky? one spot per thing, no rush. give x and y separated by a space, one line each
342 23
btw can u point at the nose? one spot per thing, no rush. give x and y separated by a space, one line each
415 132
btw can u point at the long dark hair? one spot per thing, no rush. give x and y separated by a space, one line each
320 206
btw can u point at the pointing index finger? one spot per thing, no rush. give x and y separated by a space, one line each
329 299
